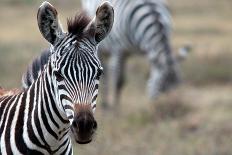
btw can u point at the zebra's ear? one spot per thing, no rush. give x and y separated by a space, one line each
48 23
102 22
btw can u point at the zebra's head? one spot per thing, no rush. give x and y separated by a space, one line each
75 67
164 75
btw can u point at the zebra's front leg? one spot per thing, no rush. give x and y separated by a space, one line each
115 77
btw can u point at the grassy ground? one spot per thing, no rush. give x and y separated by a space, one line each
194 119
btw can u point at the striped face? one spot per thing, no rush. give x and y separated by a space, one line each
76 73
75 67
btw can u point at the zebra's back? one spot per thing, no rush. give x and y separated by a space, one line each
137 23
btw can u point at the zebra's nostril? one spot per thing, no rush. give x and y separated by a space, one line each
94 125
74 124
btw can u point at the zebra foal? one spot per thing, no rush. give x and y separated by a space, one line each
63 97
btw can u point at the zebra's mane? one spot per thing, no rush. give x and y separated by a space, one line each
77 24
35 68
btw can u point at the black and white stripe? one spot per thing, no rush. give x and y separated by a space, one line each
38 120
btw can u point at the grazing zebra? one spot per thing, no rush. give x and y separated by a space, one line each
142 27
63 97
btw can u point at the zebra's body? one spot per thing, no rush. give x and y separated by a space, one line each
135 24
141 26
62 99
24 128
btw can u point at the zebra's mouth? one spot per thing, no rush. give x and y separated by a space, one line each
83 142
82 138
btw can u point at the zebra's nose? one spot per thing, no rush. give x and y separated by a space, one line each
85 124
83 127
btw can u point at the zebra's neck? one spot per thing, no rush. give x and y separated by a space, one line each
46 113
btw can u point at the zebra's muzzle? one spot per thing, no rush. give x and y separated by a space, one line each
84 127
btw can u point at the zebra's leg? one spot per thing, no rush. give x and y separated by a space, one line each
116 77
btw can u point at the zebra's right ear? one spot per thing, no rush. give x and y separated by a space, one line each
102 23
48 23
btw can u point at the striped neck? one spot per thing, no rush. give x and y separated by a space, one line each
48 115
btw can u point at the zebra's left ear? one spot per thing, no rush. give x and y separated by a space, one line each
48 23
102 23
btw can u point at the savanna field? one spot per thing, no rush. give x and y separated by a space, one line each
193 119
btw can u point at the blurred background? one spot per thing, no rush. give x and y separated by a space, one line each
193 119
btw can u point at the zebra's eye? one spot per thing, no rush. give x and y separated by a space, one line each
59 77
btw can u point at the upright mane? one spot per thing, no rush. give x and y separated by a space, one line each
77 24
34 68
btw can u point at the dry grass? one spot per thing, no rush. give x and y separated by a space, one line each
194 119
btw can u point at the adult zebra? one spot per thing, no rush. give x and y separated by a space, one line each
63 97
141 26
